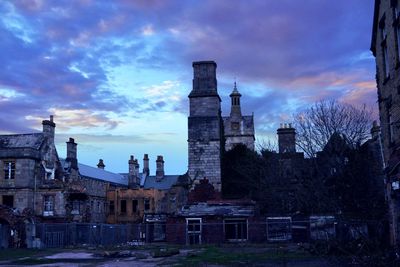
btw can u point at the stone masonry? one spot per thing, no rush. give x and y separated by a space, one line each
205 133
385 46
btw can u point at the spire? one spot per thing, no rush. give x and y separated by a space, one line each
236 112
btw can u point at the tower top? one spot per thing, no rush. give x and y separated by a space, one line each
235 91
204 79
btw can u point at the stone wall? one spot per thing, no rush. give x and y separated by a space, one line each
205 161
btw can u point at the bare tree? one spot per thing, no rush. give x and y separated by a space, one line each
316 125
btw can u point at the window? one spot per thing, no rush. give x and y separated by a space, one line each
134 205
98 206
385 57
391 129
123 206
193 231
396 25
146 204
279 228
76 206
112 207
9 169
48 205
235 229
8 201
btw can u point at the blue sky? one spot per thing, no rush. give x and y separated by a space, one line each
116 74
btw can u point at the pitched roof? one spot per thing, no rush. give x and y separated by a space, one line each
224 209
33 140
99 174
166 183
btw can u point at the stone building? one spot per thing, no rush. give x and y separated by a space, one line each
238 129
385 46
34 180
208 132
146 194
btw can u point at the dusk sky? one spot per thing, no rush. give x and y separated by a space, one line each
116 74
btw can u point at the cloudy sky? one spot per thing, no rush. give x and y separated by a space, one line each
116 74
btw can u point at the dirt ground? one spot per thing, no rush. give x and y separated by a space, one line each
210 256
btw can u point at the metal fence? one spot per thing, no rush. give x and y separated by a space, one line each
273 229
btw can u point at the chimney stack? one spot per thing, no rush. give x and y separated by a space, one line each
133 176
375 130
49 127
160 168
286 138
101 165
71 153
146 169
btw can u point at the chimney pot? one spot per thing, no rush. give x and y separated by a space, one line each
101 165
146 169
159 168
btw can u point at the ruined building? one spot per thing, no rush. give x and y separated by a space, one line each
385 46
35 181
148 197
208 132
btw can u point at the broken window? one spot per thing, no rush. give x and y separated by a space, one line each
48 205
193 231
76 206
279 228
8 201
112 207
146 204
123 206
9 169
235 229
134 205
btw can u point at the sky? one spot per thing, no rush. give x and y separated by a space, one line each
116 74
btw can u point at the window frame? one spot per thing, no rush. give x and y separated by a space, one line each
240 235
48 205
189 233
121 206
9 167
385 56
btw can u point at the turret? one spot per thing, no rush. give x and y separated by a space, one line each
236 112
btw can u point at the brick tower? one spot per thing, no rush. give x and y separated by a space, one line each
205 125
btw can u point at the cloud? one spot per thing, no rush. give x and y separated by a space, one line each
98 63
